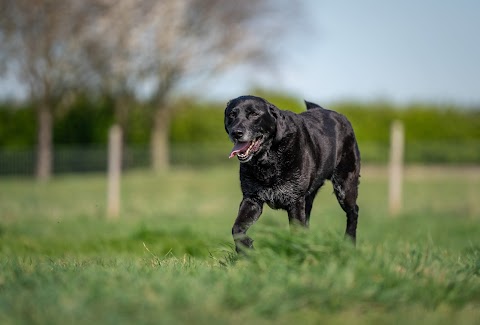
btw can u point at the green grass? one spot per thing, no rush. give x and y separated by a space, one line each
169 258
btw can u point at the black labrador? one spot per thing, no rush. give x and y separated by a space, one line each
285 159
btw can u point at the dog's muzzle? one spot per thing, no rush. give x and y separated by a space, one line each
245 150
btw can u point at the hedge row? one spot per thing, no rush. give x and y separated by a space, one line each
371 122
433 133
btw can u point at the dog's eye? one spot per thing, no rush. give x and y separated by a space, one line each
232 115
253 114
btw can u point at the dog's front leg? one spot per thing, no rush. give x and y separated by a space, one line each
249 212
296 214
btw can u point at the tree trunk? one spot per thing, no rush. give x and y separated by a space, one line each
43 170
159 141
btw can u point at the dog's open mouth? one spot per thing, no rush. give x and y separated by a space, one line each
245 150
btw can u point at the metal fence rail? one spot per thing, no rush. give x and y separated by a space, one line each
71 160
94 158
75 159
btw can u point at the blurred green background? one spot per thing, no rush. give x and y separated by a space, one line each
434 134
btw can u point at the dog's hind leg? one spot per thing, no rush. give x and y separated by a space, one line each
346 191
345 181
248 213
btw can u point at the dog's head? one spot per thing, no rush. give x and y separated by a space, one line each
252 124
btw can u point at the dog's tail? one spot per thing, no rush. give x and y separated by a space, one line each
311 105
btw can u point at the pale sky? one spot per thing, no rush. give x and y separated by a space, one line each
401 51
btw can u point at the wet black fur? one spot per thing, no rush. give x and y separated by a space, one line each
298 153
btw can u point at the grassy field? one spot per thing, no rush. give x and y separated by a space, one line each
169 258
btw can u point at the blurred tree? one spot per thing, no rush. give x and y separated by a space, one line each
110 57
161 45
40 47
119 48
189 40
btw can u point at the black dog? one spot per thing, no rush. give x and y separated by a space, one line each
285 159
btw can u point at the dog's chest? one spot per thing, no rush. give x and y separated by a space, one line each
277 197
272 185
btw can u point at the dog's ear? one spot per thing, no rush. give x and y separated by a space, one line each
225 115
281 125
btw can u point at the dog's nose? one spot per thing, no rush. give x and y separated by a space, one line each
237 134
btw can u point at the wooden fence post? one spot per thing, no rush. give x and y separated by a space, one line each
395 178
114 171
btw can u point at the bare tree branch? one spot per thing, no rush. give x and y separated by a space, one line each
118 47
41 47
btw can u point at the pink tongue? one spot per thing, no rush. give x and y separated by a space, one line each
239 147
